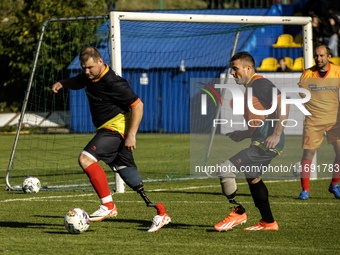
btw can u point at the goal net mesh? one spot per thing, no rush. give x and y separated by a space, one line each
161 61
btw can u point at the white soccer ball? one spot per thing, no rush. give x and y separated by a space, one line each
297 169
31 184
76 221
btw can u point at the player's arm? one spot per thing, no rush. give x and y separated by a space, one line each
71 83
303 82
274 138
238 136
136 117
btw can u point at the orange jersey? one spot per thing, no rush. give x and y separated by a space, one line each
324 102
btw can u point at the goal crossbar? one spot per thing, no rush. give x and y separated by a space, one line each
116 17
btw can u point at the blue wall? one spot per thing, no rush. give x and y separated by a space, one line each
166 100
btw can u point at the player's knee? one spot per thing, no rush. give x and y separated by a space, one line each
131 177
308 154
85 159
336 147
226 170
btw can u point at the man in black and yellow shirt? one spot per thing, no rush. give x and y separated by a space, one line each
116 113
267 141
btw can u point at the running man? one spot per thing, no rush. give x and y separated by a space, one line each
267 142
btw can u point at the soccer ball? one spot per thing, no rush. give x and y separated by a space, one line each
76 221
297 169
31 184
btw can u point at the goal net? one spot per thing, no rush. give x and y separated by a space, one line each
165 58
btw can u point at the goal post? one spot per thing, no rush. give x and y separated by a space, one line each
51 149
305 22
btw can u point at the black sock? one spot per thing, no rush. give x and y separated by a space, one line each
259 193
240 210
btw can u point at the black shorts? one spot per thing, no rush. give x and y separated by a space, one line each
251 160
109 147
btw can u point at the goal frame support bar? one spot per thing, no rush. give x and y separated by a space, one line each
115 40
29 86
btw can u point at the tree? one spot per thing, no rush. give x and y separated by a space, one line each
19 33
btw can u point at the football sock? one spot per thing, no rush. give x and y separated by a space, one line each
98 180
160 209
240 210
305 174
259 193
107 201
336 171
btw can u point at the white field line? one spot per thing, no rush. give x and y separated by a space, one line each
216 186
62 198
44 198
193 202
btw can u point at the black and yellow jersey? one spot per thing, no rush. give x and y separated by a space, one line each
110 98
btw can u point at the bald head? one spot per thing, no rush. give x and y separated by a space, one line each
322 55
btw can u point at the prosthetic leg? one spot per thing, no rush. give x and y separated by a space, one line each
132 178
229 188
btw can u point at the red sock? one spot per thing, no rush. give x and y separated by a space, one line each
336 171
305 174
98 179
109 205
160 209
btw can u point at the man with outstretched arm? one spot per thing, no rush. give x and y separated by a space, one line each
116 113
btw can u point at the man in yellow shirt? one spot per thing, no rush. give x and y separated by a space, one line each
323 81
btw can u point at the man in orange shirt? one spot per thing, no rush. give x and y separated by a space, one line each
267 142
323 81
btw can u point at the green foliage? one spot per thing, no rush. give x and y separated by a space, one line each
19 35
8 128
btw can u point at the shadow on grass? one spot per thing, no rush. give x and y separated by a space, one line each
14 224
145 224
49 216
196 193
65 232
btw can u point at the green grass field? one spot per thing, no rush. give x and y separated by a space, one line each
33 223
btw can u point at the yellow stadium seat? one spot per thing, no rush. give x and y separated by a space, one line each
335 60
268 65
297 43
283 41
298 64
